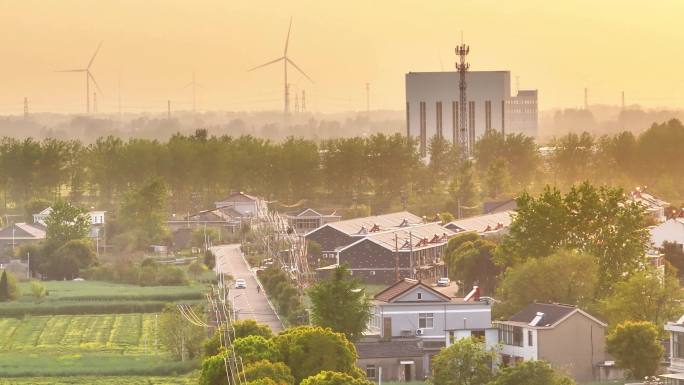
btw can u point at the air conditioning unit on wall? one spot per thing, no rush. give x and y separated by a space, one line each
419 332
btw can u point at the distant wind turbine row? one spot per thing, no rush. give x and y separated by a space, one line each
285 59
89 77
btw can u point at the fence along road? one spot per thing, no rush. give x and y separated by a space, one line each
247 303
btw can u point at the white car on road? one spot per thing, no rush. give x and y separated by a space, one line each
240 284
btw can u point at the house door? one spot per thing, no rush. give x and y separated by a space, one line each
407 372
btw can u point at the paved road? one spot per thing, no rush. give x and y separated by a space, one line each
248 303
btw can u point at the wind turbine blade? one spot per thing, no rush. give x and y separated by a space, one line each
95 54
95 81
265 64
72 70
287 40
299 69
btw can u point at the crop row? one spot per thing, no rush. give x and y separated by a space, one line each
122 333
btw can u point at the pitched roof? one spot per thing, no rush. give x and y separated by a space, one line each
554 313
482 223
377 223
239 196
409 239
394 291
388 349
23 231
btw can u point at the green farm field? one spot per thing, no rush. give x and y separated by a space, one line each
66 345
93 297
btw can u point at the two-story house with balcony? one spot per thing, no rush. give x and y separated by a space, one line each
412 321
567 337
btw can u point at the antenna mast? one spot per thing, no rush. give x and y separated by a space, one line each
462 67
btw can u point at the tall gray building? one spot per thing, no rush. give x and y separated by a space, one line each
432 106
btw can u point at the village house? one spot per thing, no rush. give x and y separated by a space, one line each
383 249
672 231
567 337
384 257
224 220
17 234
244 204
411 321
675 370
654 208
309 220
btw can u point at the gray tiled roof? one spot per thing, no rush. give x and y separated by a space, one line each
388 349
552 313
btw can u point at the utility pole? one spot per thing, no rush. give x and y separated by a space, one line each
303 100
168 110
26 108
622 111
296 109
462 67
368 100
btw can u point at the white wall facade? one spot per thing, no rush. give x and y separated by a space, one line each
671 230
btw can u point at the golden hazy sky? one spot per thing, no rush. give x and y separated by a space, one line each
558 47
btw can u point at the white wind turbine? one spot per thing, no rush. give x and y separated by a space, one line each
89 77
286 60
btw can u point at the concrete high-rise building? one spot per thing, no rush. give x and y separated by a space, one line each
432 106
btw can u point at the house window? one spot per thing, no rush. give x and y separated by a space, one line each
510 335
370 371
426 320
420 295
529 338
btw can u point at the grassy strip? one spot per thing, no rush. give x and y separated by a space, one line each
33 365
189 379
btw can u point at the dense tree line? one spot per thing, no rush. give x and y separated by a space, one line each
379 169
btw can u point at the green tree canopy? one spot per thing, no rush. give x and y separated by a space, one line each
531 373
332 351
68 260
277 371
334 378
470 259
143 211
341 304
647 295
636 348
8 287
564 277
465 362
463 190
255 348
178 336
599 221
66 223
